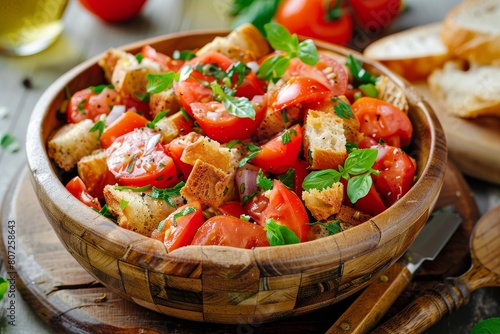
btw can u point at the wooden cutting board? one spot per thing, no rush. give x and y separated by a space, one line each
69 300
473 144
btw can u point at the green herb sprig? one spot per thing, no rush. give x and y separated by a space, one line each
357 171
168 193
278 235
280 39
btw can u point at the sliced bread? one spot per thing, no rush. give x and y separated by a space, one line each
467 92
471 30
412 53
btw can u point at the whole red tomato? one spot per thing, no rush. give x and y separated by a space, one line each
114 10
320 19
375 15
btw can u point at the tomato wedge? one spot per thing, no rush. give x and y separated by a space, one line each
286 208
78 189
87 104
138 159
230 231
192 92
127 122
281 152
371 203
167 63
298 90
381 120
180 227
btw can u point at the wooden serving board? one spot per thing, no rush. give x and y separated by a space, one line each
69 300
473 144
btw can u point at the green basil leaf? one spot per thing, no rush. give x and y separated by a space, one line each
288 179
106 213
360 161
358 72
332 227
358 186
280 39
256 12
321 179
158 83
273 68
487 326
278 235
167 194
307 52
158 117
369 89
264 182
237 106
350 146
342 109
99 126
238 70
183 55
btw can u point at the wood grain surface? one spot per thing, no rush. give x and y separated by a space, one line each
69 300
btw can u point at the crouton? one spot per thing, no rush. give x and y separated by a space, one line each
244 44
129 77
110 58
324 140
93 170
166 100
137 211
208 184
72 142
275 122
210 152
388 91
324 203
351 216
173 126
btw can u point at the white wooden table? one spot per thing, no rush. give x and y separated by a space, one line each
23 80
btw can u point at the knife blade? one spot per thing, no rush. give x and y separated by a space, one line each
371 305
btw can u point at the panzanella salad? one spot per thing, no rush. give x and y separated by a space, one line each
245 142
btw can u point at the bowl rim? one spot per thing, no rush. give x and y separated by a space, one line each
53 195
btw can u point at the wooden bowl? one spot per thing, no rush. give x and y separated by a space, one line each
222 284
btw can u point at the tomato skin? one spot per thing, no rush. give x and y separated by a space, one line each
232 208
167 63
286 208
275 156
132 102
382 120
127 122
114 10
371 204
375 15
85 104
301 171
297 90
307 18
230 231
179 231
396 175
220 125
78 189
130 165
192 92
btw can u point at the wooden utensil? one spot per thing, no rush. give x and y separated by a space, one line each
371 305
448 296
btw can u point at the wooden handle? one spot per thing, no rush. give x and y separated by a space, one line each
428 309
367 310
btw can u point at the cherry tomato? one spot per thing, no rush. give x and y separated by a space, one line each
132 102
382 120
371 203
250 87
286 208
174 150
180 227
114 10
281 152
78 189
397 170
297 90
127 122
301 171
374 15
230 231
191 92
167 63
220 125
86 104
138 159
327 71
310 18
232 208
